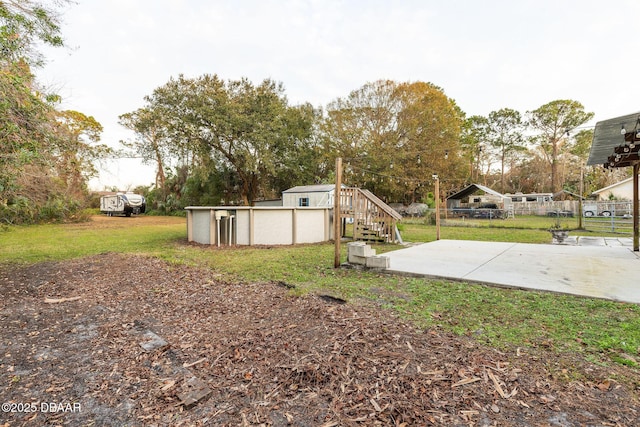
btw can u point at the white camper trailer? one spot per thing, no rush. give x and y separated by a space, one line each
122 204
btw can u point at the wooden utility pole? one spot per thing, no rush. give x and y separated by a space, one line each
580 213
337 232
636 213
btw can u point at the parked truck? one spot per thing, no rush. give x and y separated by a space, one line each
126 204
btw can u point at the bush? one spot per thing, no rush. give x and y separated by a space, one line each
21 210
430 218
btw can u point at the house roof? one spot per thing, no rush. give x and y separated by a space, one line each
319 188
472 189
609 187
607 138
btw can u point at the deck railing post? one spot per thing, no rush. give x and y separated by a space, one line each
337 217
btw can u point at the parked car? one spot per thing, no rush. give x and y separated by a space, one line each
483 211
463 212
490 210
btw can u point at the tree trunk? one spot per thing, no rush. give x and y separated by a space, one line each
554 166
502 173
249 189
160 176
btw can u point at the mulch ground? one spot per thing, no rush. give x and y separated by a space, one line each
114 340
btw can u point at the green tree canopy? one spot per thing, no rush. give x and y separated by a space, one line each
472 141
25 114
234 125
151 141
394 137
24 127
504 134
77 148
45 155
22 24
552 121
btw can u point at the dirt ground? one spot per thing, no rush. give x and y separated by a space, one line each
113 340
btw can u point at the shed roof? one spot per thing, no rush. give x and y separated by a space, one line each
470 189
318 188
607 137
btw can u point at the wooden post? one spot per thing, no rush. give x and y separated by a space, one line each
355 209
636 231
437 194
580 214
336 213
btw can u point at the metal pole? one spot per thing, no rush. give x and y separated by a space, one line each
336 214
437 191
217 231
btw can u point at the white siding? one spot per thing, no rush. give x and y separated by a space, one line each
316 199
271 225
201 227
242 227
623 191
307 229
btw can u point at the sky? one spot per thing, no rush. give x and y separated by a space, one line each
485 55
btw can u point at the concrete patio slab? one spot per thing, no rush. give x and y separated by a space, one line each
600 268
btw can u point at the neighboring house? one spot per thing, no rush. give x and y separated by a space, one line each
475 195
622 190
313 196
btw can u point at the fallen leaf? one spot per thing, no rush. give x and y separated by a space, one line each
168 385
496 385
466 381
605 385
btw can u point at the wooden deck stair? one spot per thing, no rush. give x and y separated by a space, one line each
373 219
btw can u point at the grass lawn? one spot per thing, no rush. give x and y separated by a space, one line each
52 242
599 330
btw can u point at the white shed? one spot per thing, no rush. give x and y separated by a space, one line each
312 196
